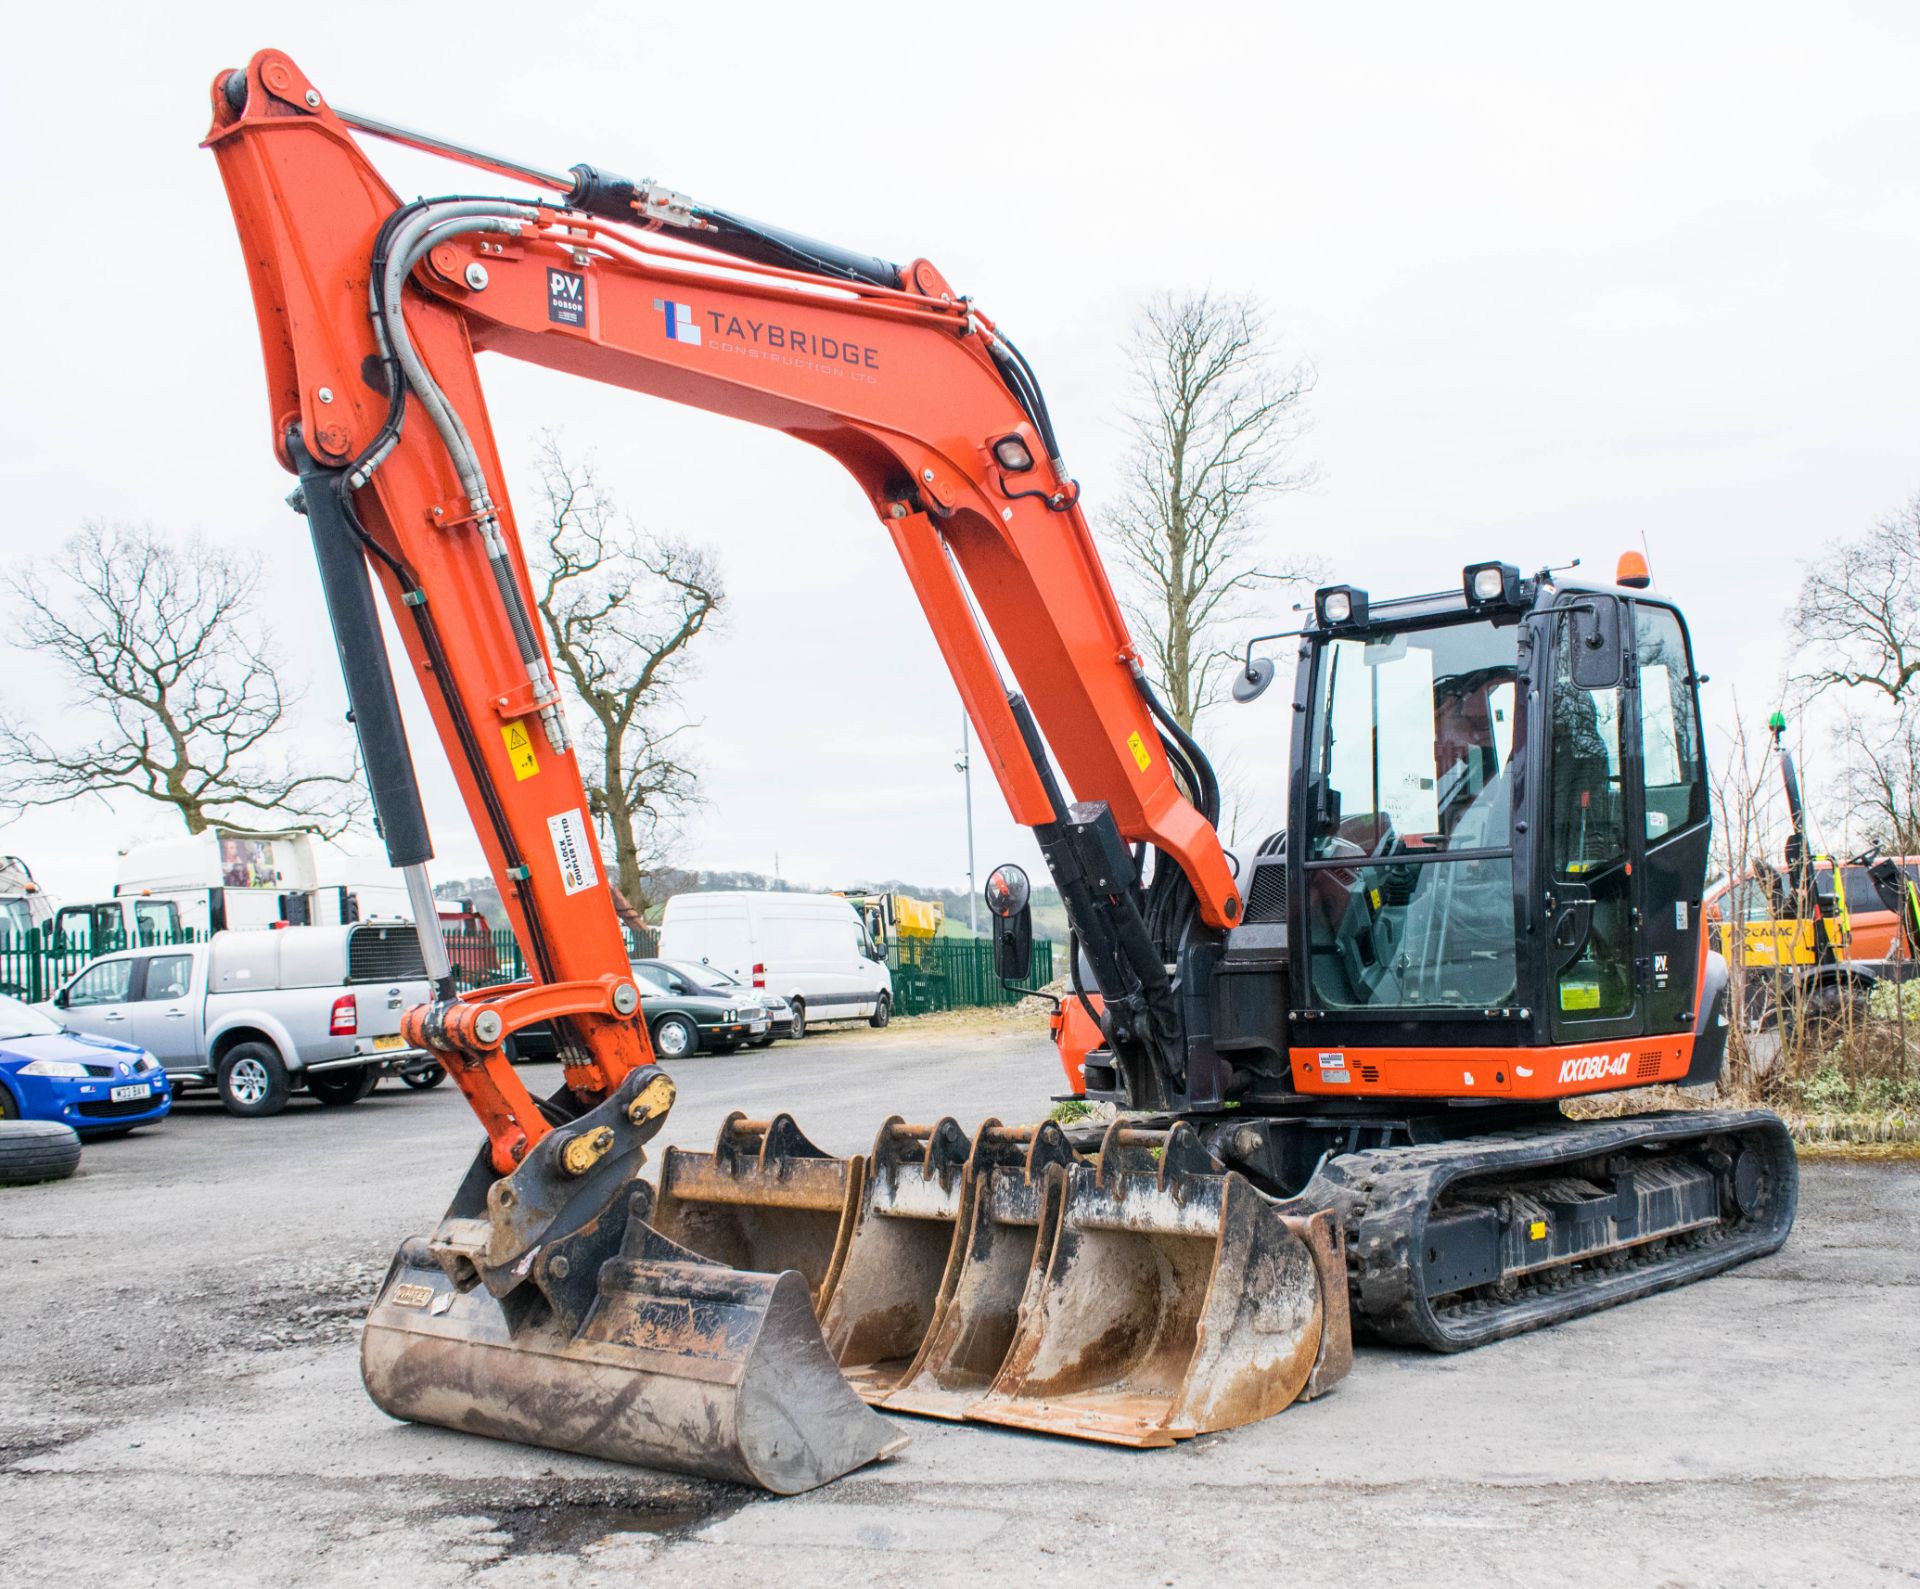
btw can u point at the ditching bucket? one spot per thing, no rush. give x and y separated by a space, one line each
765 1199
1177 1300
1012 1213
546 1309
889 1289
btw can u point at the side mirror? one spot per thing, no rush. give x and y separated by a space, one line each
1010 902
1599 658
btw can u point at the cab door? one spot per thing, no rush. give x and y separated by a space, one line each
100 1000
1594 886
163 1015
1671 776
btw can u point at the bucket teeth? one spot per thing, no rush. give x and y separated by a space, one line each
1177 1300
890 1287
1137 1297
1011 1215
764 1199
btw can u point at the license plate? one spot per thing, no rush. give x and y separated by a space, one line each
137 1091
386 1045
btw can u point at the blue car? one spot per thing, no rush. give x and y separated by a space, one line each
100 1088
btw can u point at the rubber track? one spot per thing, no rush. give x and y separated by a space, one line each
1384 1196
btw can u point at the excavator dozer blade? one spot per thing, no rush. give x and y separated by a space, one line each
889 1290
765 1199
1018 1177
545 1309
1177 1300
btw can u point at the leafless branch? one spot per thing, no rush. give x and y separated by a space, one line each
157 642
622 611
1215 417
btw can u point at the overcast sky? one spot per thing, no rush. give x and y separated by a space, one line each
1571 277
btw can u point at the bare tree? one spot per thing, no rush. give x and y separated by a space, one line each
622 609
155 639
1857 624
1215 416
1880 776
1858 614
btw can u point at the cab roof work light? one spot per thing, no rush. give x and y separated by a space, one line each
1340 606
1491 584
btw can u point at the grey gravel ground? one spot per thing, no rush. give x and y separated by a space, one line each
180 1401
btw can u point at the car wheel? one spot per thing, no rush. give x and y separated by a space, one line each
882 1012
338 1088
252 1081
674 1037
37 1150
427 1076
9 1110
797 1020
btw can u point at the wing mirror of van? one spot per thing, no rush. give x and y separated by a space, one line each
1010 902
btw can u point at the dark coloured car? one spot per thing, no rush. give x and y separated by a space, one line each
685 1017
778 1011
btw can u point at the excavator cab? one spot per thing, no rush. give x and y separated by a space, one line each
1504 824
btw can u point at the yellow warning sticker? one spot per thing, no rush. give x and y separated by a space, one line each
1141 755
1579 995
520 750
1537 1231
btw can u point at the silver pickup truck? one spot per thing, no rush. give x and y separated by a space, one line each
256 1014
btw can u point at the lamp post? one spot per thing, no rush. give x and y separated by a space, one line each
964 766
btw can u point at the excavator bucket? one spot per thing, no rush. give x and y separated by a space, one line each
765 1199
1012 1213
1177 1300
889 1290
546 1309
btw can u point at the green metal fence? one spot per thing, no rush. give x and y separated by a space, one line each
34 963
955 974
935 974
486 959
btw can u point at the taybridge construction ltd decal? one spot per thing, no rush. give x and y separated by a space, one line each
775 341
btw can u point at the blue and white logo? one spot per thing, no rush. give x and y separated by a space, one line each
681 325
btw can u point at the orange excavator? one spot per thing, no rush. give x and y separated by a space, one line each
1336 1070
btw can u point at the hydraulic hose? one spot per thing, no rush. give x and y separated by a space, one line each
412 242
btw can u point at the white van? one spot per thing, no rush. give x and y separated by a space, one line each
811 949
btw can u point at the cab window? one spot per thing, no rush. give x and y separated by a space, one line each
106 983
168 976
156 920
1670 761
1410 897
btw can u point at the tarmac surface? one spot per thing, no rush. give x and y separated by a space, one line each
180 1399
